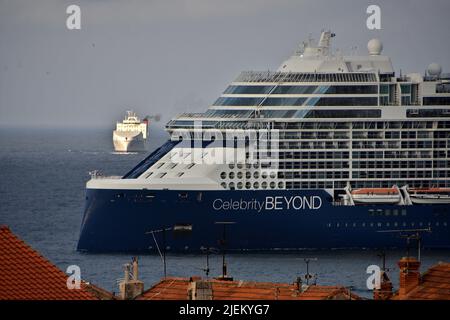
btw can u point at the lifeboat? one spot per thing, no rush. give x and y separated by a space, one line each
376 195
430 195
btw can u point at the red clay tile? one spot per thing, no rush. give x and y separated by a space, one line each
26 275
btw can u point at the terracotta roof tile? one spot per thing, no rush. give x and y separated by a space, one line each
434 284
26 275
177 288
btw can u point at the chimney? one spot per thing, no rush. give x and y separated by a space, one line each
131 288
385 292
409 275
200 290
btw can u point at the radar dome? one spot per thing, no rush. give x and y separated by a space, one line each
375 46
434 69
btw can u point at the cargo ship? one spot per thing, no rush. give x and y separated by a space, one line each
130 134
328 151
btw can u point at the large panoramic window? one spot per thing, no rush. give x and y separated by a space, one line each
437 101
313 101
427 113
305 89
364 113
248 89
284 102
373 101
222 101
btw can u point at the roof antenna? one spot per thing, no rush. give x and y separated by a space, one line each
309 276
163 253
410 234
223 243
207 250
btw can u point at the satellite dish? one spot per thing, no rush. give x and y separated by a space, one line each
434 69
375 46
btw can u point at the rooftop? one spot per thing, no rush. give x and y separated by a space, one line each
27 275
434 284
178 289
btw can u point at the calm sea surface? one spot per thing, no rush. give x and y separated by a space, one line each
42 177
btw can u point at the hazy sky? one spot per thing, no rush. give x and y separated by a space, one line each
172 56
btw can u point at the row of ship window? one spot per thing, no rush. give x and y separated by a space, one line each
335 155
365 184
302 89
388 164
255 185
318 125
364 125
386 224
365 145
248 175
364 135
369 125
294 185
401 174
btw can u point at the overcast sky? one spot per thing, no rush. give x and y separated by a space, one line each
172 56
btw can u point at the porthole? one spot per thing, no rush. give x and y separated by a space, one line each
256 185
256 175
264 175
272 185
280 185
273 175
256 165
231 185
264 185
239 165
248 175
248 166
223 175
239 175
248 185
240 185
223 185
231 166
231 175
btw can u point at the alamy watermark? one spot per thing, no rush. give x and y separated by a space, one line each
229 146
74 279
373 22
73 21
374 280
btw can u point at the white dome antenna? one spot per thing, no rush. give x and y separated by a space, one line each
434 69
375 46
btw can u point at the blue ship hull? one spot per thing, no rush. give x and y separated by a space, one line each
119 221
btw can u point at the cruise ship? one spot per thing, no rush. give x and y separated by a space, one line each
130 134
328 151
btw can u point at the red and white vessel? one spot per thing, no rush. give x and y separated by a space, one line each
376 195
430 195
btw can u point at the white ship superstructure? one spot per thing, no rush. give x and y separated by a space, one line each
341 120
130 134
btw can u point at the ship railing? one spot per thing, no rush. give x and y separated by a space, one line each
270 76
98 175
